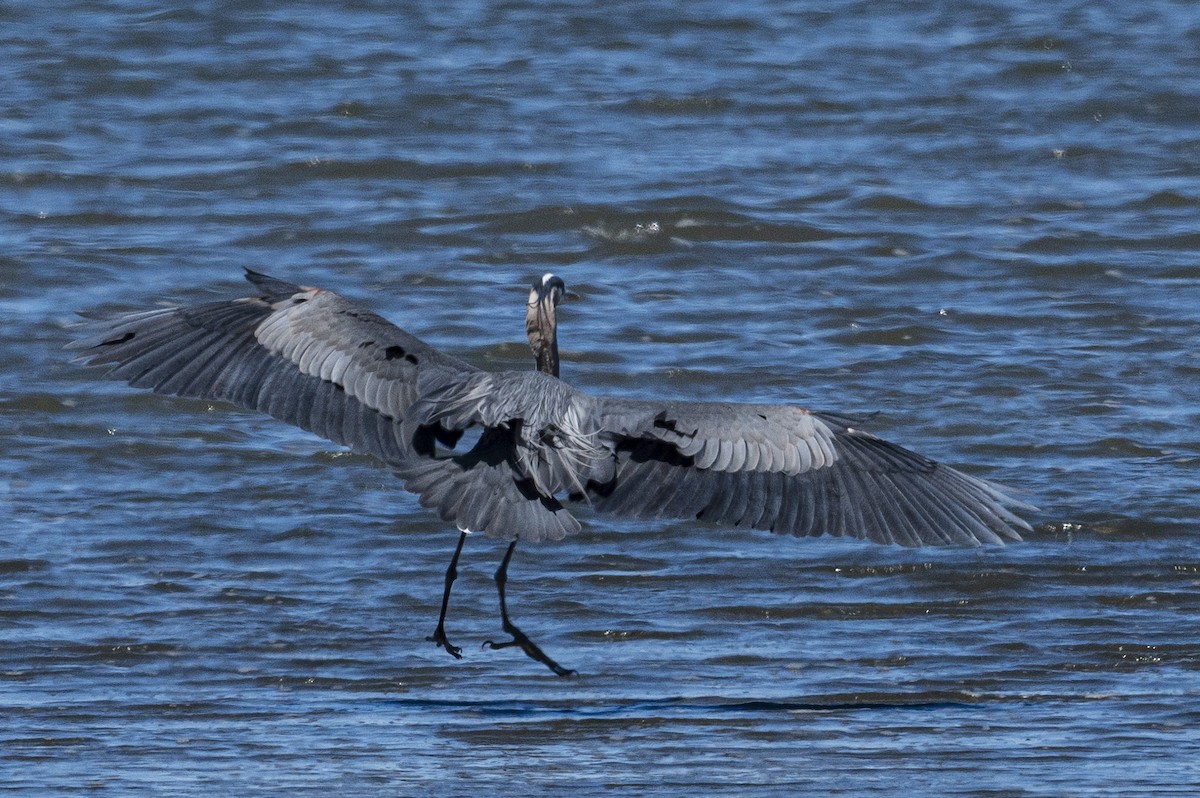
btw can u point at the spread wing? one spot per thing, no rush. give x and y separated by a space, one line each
313 359
791 471
306 356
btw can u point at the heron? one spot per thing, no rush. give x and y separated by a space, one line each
538 446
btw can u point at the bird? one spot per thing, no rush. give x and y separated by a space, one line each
539 446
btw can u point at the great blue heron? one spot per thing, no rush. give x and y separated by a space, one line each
312 358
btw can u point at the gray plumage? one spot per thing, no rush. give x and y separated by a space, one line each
313 359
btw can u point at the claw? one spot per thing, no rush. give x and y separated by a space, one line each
439 637
531 649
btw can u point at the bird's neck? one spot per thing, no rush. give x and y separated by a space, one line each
547 358
543 338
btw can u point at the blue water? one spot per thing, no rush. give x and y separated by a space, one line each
978 220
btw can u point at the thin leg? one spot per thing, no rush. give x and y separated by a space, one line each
439 634
518 637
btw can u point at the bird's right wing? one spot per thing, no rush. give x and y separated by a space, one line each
792 471
304 355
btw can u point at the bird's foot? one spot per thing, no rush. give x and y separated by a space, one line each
530 648
439 637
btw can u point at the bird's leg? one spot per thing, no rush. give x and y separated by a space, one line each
518 637
439 634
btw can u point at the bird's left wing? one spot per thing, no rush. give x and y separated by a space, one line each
791 471
304 355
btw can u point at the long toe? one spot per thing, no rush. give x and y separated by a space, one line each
531 649
502 644
439 638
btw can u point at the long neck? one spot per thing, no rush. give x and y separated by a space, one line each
542 329
547 358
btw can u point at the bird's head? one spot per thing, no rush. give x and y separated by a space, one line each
549 291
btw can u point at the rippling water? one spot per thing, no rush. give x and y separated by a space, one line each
979 220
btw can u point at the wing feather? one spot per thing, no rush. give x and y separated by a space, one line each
306 356
809 474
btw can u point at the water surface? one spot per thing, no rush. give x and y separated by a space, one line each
979 221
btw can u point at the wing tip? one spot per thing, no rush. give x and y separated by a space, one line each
272 287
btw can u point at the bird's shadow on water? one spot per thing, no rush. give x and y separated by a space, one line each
525 724
680 706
